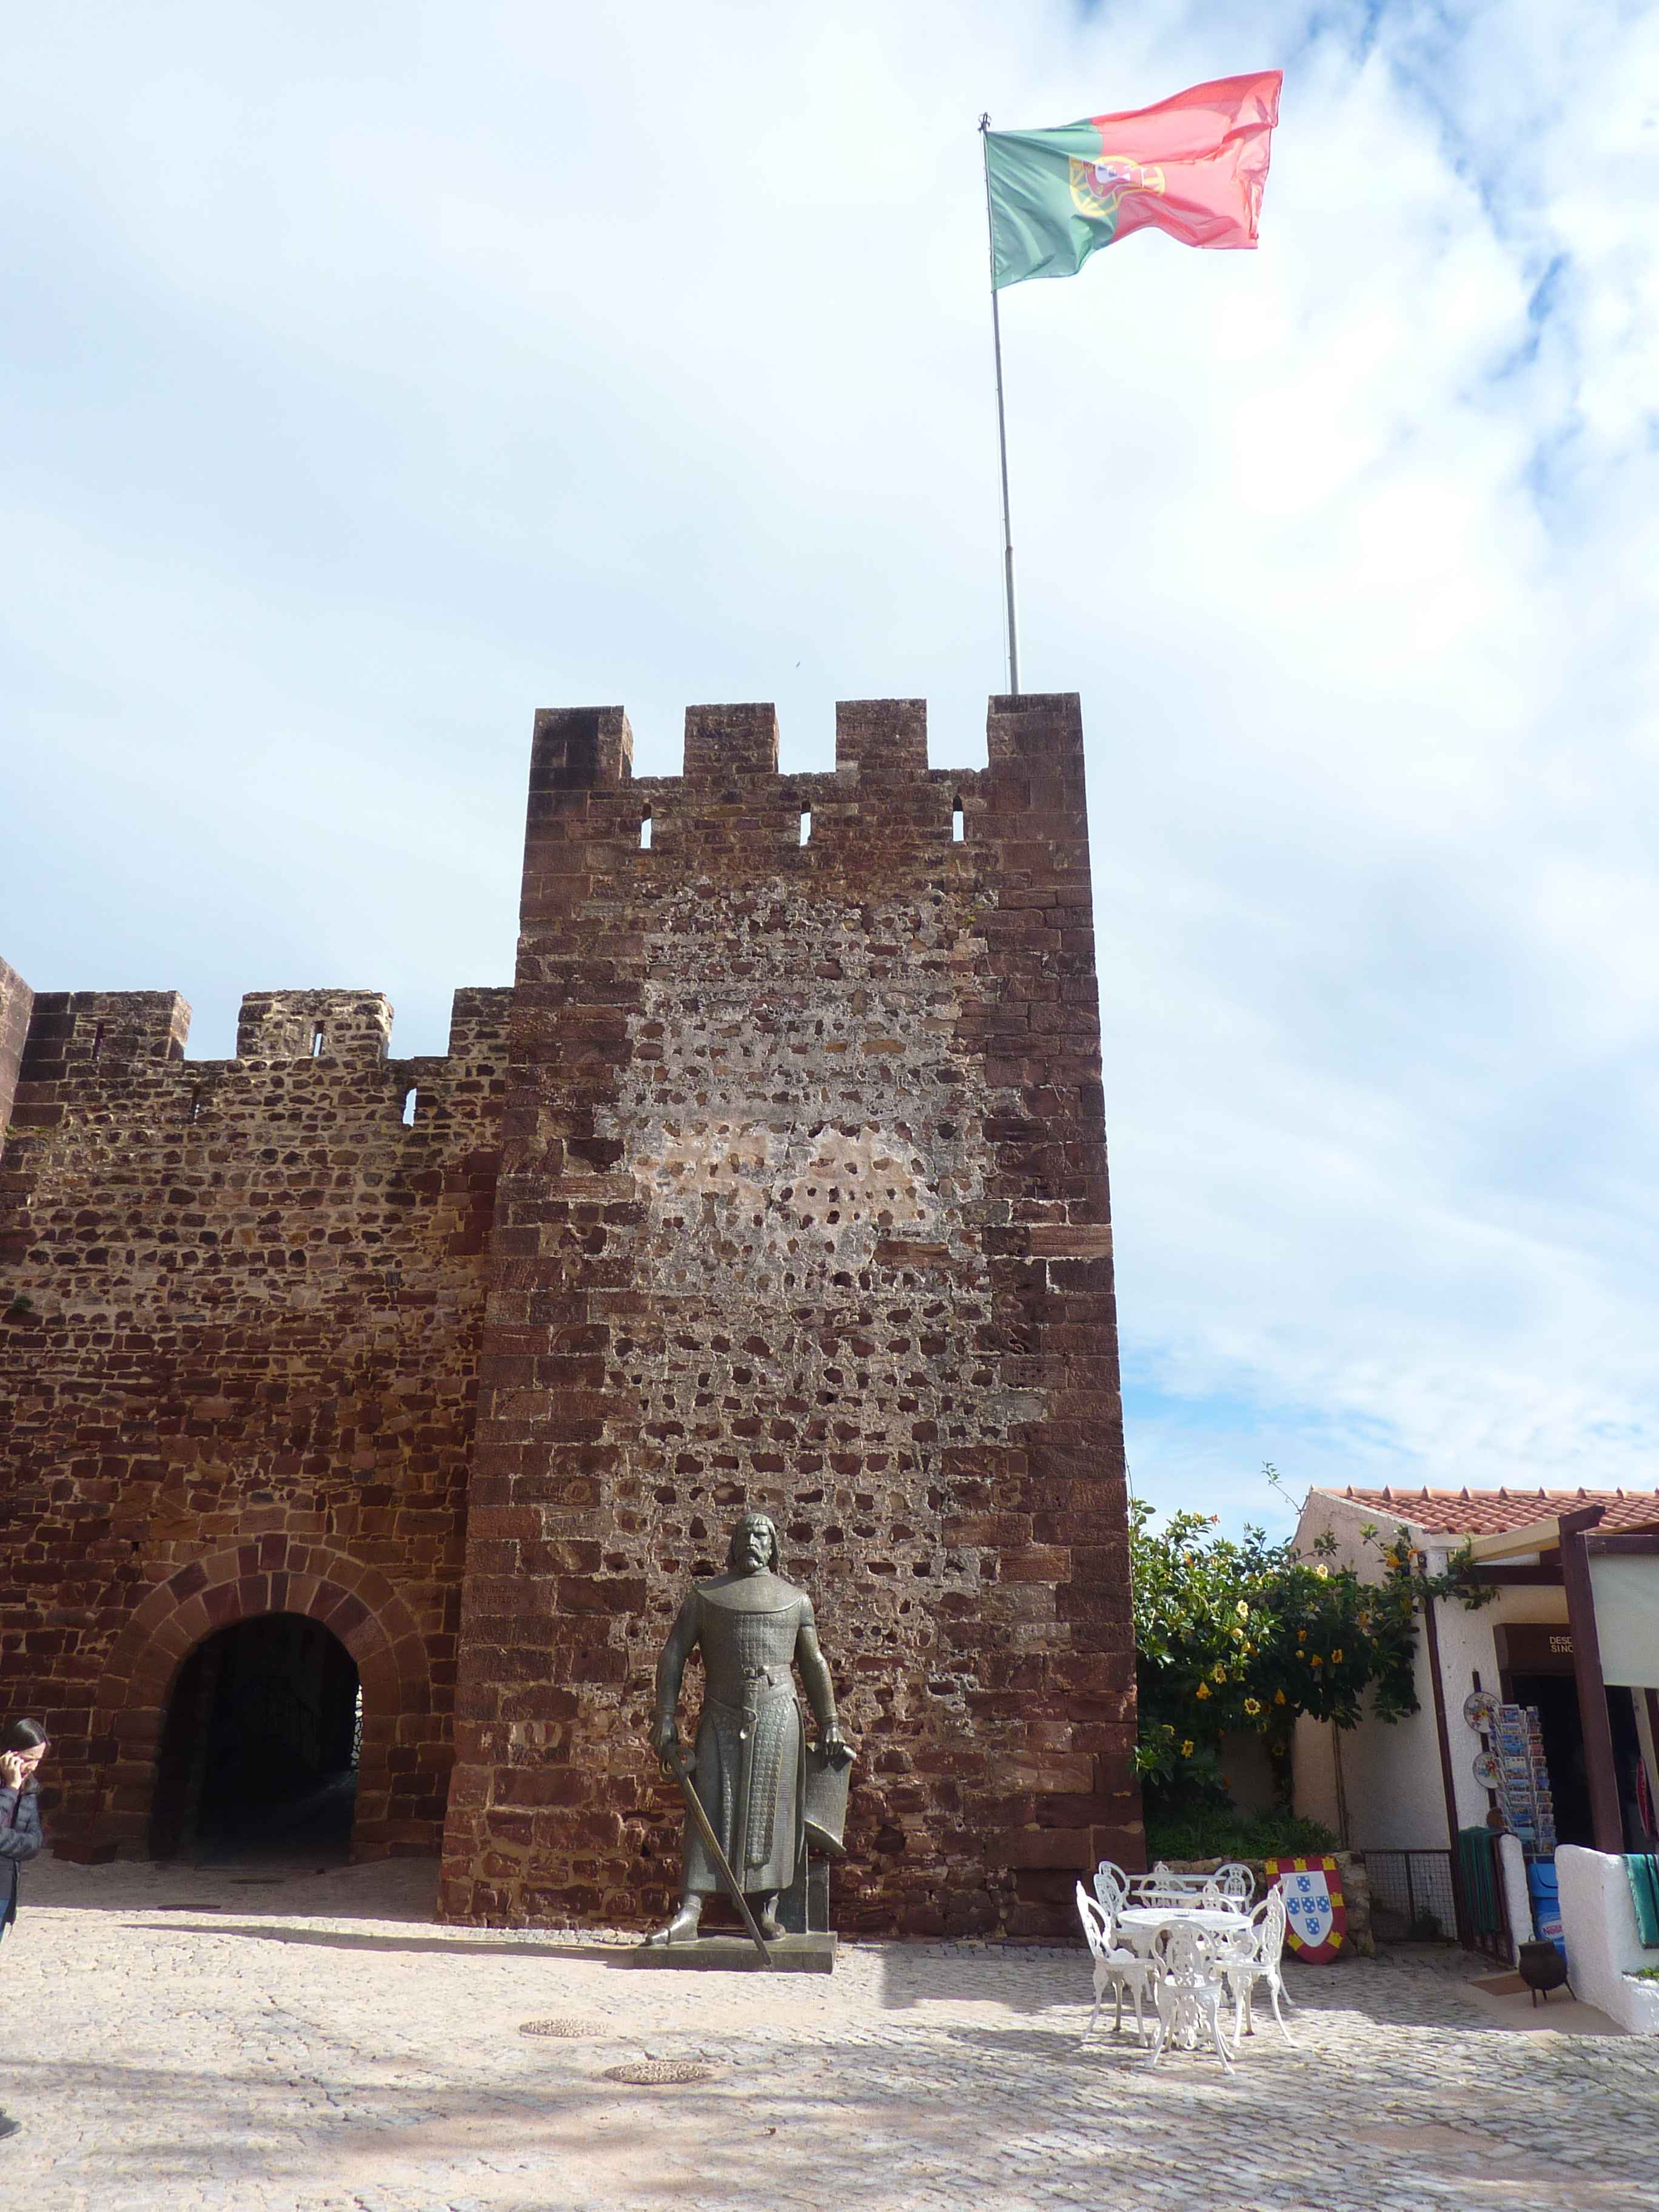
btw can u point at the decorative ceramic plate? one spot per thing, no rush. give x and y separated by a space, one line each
1481 1709
1488 1769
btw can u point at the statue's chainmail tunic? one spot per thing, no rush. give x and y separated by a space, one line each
750 1767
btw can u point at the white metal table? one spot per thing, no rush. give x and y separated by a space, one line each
1195 1990
1141 1922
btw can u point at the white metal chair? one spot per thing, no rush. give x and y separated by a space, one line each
1235 1879
1115 1970
1160 1887
1214 1898
1188 1993
1111 1886
1256 1954
1228 1890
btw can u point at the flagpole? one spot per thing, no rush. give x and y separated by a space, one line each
1002 426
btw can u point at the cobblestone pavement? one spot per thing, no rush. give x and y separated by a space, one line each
181 2039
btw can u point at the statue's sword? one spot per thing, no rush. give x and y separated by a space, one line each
699 1813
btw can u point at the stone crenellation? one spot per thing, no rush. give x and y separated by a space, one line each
776 1178
16 1002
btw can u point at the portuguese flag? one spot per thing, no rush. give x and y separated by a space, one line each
1194 166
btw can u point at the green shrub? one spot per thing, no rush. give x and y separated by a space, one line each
1222 1833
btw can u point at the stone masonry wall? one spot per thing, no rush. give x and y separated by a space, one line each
804 1204
240 1310
16 999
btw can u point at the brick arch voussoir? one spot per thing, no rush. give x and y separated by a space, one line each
270 1574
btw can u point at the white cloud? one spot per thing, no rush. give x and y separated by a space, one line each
379 378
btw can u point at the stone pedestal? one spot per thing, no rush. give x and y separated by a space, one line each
804 1907
736 1954
806 1947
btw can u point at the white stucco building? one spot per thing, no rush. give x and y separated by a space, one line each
1407 1785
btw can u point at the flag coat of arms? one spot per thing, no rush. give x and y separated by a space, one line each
1194 166
1315 1911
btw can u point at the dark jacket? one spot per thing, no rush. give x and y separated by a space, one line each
19 1839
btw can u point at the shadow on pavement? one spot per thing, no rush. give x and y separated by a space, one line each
1020 1978
273 1882
531 1946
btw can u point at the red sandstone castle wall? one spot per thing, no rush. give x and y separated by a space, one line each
803 1204
16 999
244 1377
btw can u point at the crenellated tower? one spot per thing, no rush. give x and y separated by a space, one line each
803 1204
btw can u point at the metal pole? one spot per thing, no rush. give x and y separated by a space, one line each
1459 1901
1607 1818
1002 427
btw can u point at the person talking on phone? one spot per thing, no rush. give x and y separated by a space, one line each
23 1745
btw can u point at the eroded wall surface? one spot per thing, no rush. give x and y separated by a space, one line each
803 1205
240 1304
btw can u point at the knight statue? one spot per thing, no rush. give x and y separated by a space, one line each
750 1763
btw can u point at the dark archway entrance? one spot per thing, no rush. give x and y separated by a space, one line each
258 1755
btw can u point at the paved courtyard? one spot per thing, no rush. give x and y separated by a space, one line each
268 2043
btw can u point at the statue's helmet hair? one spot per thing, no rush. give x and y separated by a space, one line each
754 1520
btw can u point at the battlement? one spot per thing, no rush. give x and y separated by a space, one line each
877 740
16 1001
589 816
81 1037
70 1031
314 1026
480 1016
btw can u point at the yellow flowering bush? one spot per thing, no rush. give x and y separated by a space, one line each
1320 1642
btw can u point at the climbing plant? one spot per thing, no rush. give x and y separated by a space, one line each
1242 1634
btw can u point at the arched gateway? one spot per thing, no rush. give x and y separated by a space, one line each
396 1800
258 1753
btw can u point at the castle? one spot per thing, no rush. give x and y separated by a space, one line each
777 1177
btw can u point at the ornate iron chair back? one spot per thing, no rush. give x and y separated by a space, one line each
1111 1886
1270 1920
1097 1923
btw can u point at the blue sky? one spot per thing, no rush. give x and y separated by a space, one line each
376 376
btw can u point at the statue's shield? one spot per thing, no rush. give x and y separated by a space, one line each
826 1802
1315 1911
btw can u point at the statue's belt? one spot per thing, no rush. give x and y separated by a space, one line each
762 1685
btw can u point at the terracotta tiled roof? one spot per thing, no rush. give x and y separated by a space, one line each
1493 1512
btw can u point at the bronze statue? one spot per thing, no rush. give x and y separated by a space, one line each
750 1756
